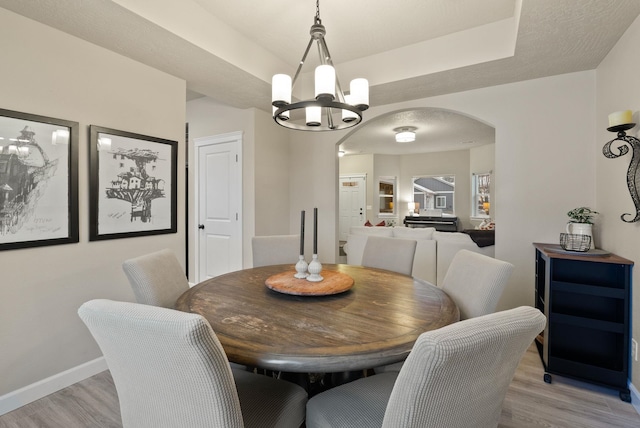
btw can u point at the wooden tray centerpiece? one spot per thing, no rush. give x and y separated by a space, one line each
333 283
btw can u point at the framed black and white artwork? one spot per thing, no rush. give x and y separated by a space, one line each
132 185
38 180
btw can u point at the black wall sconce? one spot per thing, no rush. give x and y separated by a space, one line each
620 122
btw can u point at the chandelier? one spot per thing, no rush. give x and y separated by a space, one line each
329 97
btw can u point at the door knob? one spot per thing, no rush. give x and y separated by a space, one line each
201 226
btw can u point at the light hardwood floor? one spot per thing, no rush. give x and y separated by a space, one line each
529 403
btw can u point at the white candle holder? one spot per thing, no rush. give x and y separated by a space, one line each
301 268
314 270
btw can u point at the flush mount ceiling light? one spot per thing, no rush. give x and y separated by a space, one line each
329 97
406 134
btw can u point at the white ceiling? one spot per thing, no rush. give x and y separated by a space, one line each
408 49
436 130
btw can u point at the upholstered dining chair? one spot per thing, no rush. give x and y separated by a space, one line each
275 250
476 282
454 377
392 254
170 370
157 278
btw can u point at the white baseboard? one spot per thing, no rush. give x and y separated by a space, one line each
635 397
44 387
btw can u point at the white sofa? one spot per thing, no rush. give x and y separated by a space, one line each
434 250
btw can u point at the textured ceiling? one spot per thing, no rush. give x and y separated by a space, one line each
355 28
227 50
436 130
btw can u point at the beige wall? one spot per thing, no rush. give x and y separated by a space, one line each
272 177
540 125
618 88
208 118
49 73
265 170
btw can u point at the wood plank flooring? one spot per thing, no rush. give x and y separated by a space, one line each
530 403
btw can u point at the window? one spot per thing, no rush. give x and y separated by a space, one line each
387 196
481 193
435 192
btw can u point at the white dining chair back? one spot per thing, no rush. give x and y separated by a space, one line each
170 370
476 282
157 278
392 254
454 377
275 250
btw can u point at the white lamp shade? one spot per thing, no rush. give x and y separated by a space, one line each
280 89
314 116
23 151
405 137
348 115
325 81
359 90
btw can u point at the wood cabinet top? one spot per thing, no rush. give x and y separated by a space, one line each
554 251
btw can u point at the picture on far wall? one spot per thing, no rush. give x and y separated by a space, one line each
38 180
132 184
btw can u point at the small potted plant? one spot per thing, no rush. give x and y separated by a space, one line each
582 215
581 222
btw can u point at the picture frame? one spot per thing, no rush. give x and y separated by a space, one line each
38 180
132 184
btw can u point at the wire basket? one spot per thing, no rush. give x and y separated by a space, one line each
571 242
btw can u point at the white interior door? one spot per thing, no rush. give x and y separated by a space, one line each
218 205
353 201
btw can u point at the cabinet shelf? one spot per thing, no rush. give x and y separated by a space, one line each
594 290
614 327
587 301
588 306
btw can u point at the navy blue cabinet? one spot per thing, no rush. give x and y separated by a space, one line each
587 302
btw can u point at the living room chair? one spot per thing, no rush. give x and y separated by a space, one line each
392 254
275 250
476 282
170 370
157 278
454 377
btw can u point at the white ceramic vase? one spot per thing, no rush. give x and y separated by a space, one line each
581 229
301 268
315 267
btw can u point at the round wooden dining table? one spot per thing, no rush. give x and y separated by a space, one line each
373 323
